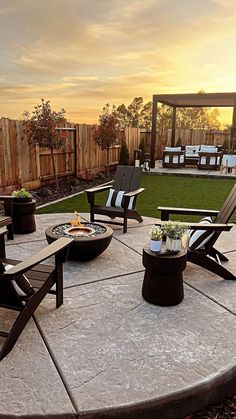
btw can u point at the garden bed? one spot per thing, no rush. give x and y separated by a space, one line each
48 193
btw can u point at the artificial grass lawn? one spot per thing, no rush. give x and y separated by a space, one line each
175 191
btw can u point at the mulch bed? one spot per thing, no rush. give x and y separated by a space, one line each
224 410
47 193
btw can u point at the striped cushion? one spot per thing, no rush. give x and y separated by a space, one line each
21 284
198 238
116 199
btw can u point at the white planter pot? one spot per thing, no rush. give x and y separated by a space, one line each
155 245
174 245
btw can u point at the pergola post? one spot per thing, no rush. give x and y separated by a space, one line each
154 131
233 131
173 126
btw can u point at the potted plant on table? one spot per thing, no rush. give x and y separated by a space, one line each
174 231
155 239
22 195
23 209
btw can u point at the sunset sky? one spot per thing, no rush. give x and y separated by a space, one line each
82 54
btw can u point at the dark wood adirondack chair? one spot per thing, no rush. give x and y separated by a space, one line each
24 285
6 215
207 256
122 197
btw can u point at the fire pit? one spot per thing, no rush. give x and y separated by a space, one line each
90 239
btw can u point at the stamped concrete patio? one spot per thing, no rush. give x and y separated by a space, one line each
106 353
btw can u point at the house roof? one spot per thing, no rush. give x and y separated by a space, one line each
197 99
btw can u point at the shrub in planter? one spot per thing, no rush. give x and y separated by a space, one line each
22 195
174 231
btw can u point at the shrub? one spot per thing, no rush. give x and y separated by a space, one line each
124 154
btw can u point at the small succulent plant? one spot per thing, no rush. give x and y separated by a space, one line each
156 233
174 229
21 193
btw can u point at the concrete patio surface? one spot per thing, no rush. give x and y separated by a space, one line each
191 170
107 353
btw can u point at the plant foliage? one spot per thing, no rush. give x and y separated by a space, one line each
42 129
156 233
174 229
108 132
21 193
124 153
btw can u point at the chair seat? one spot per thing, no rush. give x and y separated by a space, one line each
37 275
113 211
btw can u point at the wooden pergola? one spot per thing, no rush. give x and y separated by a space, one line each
188 100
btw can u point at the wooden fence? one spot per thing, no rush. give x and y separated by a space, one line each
23 165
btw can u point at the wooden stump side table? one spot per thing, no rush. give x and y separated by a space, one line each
163 278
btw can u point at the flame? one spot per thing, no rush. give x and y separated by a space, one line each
76 222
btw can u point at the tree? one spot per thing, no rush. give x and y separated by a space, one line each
198 118
42 130
145 120
139 114
136 115
108 131
124 153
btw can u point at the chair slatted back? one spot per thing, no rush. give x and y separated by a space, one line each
223 216
227 208
127 178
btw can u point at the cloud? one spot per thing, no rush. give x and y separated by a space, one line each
82 54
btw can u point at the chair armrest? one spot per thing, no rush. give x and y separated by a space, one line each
8 203
99 188
6 197
165 211
133 193
208 227
211 227
5 220
51 250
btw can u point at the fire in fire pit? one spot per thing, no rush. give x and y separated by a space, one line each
77 229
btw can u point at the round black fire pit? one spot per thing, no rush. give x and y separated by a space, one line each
90 239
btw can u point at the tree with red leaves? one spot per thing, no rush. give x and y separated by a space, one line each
108 132
42 129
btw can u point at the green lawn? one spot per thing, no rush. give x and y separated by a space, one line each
175 191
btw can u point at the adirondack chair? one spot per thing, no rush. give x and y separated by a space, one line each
23 285
201 251
6 215
123 192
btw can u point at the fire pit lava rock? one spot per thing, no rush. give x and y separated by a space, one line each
90 239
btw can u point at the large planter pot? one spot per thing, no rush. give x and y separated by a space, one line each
23 218
173 245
